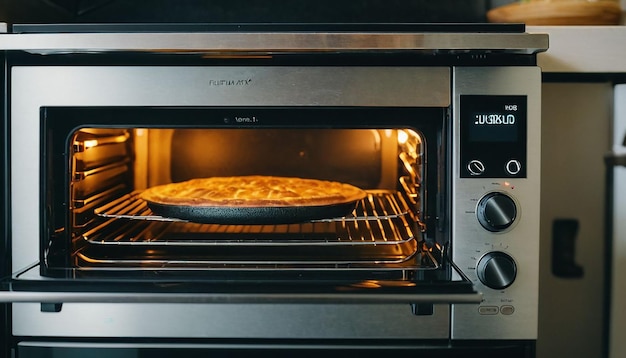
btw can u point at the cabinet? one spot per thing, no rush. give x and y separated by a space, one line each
575 138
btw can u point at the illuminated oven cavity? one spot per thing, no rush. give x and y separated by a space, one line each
113 228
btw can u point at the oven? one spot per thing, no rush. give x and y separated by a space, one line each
440 128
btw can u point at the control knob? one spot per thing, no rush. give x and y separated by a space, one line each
496 270
496 211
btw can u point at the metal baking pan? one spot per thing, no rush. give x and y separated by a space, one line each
253 215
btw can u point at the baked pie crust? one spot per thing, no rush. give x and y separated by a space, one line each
254 191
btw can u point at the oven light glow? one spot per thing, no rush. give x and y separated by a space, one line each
90 143
403 137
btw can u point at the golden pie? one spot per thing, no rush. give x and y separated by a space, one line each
253 192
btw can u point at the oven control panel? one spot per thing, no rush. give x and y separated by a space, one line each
493 136
496 249
496 199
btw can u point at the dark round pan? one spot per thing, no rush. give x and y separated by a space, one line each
252 215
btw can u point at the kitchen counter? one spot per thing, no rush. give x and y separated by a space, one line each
583 49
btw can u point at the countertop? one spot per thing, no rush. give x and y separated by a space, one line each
583 49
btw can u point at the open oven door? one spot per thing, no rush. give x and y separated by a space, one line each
175 310
29 286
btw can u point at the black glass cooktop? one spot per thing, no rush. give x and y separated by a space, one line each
271 27
243 11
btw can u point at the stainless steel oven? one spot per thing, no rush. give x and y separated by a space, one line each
440 126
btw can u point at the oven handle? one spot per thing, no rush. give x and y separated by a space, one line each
132 297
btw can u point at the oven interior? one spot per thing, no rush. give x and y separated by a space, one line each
98 160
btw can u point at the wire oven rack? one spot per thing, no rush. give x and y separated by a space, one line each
378 205
382 234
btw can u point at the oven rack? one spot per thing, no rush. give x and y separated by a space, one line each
377 205
368 240
168 245
352 233
214 268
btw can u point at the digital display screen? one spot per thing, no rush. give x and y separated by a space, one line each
496 122
493 127
493 134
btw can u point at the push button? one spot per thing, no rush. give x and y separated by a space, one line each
507 310
475 167
488 310
513 167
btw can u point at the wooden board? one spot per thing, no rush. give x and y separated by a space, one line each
558 13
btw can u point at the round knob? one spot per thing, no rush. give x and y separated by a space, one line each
496 270
513 166
496 211
476 167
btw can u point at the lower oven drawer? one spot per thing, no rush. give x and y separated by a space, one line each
514 349
231 321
